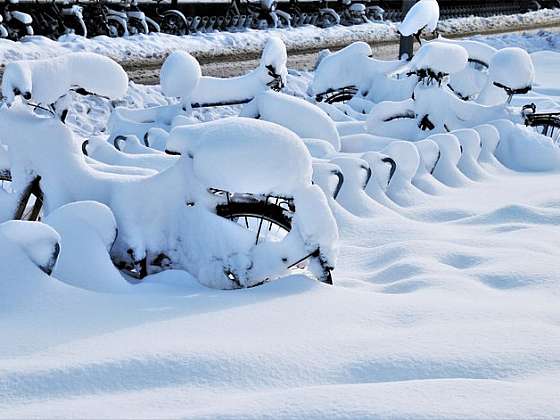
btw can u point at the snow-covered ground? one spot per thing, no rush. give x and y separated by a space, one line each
542 40
157 46
444 308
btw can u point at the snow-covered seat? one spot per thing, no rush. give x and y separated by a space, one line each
244 155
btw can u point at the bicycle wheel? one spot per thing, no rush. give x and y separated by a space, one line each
270 221
174 24
136 27
116 28
326 20
30 201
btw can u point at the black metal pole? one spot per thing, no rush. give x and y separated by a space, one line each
406 49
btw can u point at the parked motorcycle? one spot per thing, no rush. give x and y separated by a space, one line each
102 20
324 17
136 19
265 14
53 21
117 19
352 13
169 21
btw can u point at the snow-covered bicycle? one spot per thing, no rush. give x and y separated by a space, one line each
546 123
235 207
192 215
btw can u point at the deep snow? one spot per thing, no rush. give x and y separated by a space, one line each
445 305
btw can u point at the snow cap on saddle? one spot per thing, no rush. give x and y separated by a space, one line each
244 155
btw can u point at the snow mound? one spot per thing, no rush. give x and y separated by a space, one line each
351 66
179 75
512 67
45 81
340 68
315 221
407 158
296 114
244 155
450 154
477 51
440 57
88 230
424 14
40 242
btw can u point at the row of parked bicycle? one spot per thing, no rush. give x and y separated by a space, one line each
100 17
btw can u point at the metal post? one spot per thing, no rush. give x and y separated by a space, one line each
406 48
